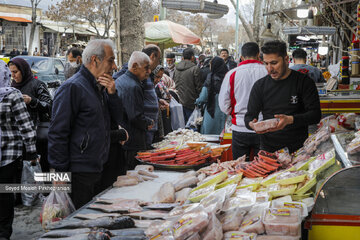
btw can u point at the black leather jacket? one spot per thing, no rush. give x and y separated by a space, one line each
41 102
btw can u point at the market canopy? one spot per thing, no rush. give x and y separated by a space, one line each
169 34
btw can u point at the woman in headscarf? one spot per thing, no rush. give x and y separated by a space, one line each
38 101
16 131
162 92
214 119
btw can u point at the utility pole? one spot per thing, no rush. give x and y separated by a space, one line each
162 12
117 32
237 30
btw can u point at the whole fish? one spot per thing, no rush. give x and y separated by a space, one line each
129 238
128 232
65 233
105 222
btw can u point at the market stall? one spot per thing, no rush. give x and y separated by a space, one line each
269 198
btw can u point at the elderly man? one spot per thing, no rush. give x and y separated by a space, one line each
79 134
129 87
151 101
170 62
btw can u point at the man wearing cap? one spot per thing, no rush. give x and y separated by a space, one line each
170 62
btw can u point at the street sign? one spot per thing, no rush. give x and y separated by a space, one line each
156 18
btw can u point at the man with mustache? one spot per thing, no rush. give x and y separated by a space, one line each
285 94
79 133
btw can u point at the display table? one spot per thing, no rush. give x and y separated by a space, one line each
340 101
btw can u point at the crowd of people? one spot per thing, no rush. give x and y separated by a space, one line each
100 118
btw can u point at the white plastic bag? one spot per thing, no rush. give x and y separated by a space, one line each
195 119
27 177
56 207
177 116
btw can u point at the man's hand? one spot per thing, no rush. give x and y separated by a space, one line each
127 137
284 121
108 82
251 124
151 125
163 104
27 99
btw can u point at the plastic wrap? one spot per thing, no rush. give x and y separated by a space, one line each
213 179
283 157
159 229
291 177
322 162
190 223
213 203
292 204
197 195
252 222
231 220
266 124
179 210
243 202
277 190
276 237
238 235
281 221
213 230
353 146
235 179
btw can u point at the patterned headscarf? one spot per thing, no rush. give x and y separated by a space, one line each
5 77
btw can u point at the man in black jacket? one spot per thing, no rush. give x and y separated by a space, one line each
224 54
129 87
79 133
287 95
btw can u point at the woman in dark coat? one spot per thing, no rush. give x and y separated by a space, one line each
38 101
214 119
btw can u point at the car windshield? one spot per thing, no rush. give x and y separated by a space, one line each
38 64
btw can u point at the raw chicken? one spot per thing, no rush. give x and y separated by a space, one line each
147 173
266 124
284 222
148 168
166 193
231 220
186 182
214 230
190 223
125 181
182 195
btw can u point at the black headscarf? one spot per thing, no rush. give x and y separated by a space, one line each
213 82
25 70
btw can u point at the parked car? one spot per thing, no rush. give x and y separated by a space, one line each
47 69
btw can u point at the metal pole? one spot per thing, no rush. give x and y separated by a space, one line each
237 30
162 12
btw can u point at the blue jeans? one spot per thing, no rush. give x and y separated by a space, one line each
243 142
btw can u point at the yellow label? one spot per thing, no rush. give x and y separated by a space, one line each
251 221
292 205
279 212
162 233
181 223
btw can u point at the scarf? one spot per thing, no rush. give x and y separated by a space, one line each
213 82
25 70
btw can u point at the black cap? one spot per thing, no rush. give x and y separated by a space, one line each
170 55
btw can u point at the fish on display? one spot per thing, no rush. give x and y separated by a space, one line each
104 222
129 238
88 216
91 234
162 206
65 233
128 232
151 214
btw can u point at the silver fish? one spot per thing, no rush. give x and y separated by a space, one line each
104 222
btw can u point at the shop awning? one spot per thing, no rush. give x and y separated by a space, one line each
15 19
62 29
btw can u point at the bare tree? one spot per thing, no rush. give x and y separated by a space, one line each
34 5
149 8
97 13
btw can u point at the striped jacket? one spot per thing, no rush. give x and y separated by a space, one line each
235 91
